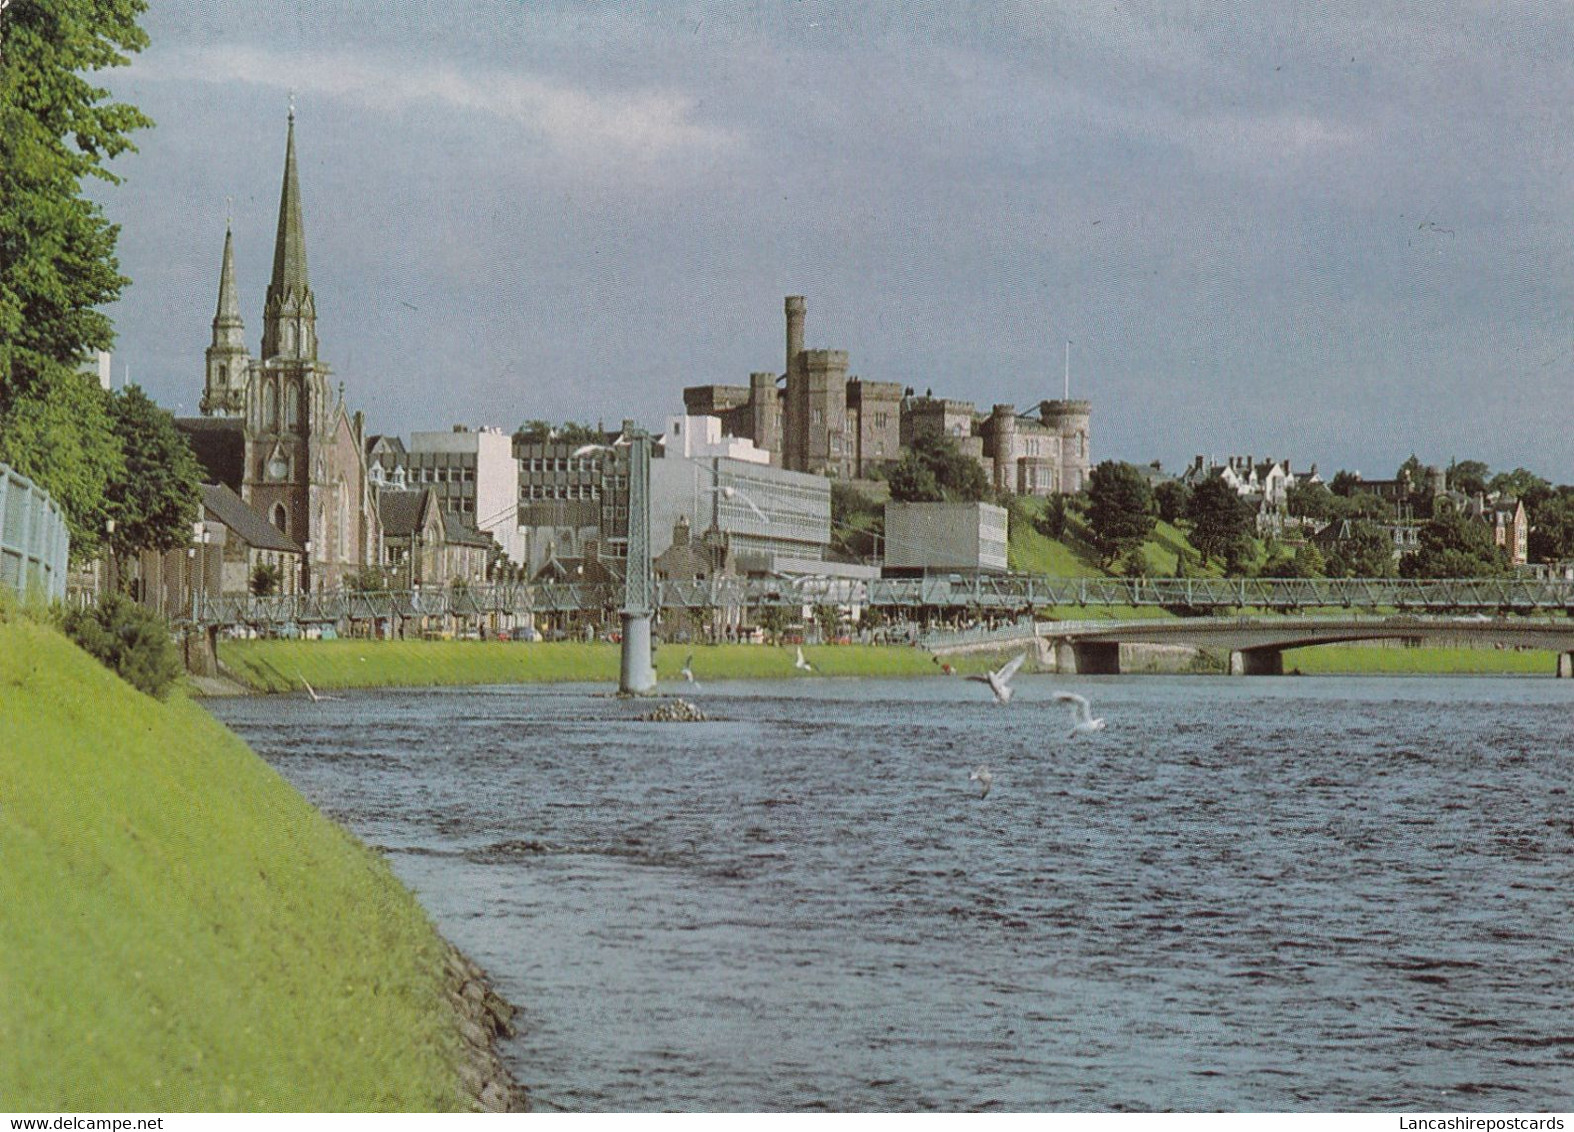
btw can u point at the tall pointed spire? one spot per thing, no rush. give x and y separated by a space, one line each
227 318
289 327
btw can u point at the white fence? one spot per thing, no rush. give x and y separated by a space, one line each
34 545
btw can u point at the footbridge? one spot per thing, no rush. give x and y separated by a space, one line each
985 594
1256 644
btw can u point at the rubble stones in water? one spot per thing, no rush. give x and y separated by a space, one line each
483 1018
677 711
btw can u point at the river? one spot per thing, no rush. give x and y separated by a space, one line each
1245 894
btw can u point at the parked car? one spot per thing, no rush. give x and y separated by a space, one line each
526 633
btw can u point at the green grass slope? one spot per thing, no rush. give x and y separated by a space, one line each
280 666
180 929
1341 660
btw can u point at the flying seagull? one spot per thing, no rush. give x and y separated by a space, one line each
315 696
1082 721
687 671
999 681
802 661
984 780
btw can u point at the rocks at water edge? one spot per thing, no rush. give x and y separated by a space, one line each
484 1017
676 711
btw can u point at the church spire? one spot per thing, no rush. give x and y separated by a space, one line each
227 325
289 327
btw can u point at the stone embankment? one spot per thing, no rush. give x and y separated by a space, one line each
485 1018
676 711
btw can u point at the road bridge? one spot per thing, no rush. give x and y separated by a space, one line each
1256 645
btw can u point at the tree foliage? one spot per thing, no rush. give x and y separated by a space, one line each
1310 501
1306 562
1172 497
1552 527
934 468
1468 476
569 432
1523 485
1221 523
57 250
1366 551
155 496
1453 545
128 639
1120 509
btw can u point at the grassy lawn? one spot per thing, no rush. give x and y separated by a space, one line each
1354 660
180 929
279 666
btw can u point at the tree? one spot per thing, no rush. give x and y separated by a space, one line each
265 579
1052 522
1345 483
1415 470
774 619
64 442
1468 476
569 432
1525 486
1453 545
1366 551
829 620
1306 562
1552 527
1172 497
156 495
1221 522
1120 509
1310 501
934 467
57 250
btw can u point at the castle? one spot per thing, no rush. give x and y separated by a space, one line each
272 428
815 418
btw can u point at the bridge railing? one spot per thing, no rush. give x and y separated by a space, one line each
34 545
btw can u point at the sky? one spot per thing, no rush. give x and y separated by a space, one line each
1330 232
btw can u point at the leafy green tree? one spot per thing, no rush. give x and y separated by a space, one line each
1454 545
64 441
1221 523
1367 551
1120 509
1345 483
1525 486
265 579
1415 470
1306 562
775 619
1310 501
933 467
155 496
1468 476
1172 498
829 621
1552 527
857 521
57 250
569 432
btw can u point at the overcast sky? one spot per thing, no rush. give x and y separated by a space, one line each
1332 232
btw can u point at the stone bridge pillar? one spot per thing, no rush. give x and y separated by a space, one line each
1087 658
1566 664
1256 662
201 651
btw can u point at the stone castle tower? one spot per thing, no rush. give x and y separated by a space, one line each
304 466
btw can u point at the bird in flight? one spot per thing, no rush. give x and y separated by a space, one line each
687 671
316 697
803 661
1082 721
999 681
984 779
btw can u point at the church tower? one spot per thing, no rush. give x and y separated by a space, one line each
229 362
290 413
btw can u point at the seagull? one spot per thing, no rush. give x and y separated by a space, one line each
687 671
984 780
999 681
316 697
1082 721
802 661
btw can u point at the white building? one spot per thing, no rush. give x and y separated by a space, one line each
768 514
945 537
700 438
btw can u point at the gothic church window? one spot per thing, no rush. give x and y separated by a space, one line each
270 406
281 518
292 406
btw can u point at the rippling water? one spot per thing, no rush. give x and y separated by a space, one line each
1245 894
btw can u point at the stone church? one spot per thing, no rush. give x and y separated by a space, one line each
275 426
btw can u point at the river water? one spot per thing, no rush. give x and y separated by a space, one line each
1249 894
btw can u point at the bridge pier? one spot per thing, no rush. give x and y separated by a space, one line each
200 649
1566 664
1256 662
1092 658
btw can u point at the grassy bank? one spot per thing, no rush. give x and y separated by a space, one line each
280 666
1341 660
180 929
